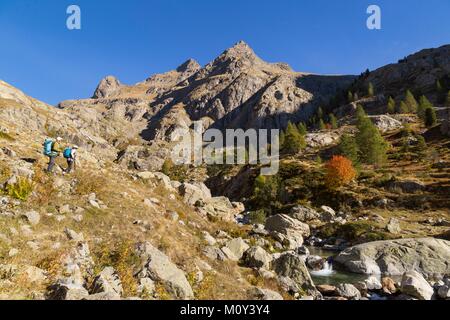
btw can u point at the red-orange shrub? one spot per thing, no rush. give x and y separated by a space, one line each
339 172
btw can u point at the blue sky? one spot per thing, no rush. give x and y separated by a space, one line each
136 38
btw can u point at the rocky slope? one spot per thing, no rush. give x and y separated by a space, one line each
117 228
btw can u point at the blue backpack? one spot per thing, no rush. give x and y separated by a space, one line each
67 153
48 145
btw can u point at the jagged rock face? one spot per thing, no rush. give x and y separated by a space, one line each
419 71
236 90
107 87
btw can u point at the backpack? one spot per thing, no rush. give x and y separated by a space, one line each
67 153
48 146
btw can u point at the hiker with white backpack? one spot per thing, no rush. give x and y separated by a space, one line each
52 149
70 154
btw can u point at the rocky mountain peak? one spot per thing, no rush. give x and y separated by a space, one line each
189 66
240 50
107 87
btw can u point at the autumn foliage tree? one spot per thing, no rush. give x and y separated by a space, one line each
339 172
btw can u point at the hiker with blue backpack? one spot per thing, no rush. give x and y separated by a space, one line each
70 154
52 149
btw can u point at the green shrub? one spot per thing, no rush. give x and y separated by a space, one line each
257 217
21 190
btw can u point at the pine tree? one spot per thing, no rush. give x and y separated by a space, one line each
430 117
370 90
424 104
333 121
391 106
371 144
302 129
293 140
403 107
421 144
322 125
439 87
319 113
348 148
350 97
411 102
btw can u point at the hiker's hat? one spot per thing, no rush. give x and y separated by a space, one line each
75 147
59 139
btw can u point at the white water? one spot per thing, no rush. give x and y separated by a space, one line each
325 272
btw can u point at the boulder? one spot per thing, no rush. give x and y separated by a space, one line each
62 290
395 257
107 281
158 267
394 226
287 230
327 214
304 214
292 266
192 193
257 257
444 292
264 294
326 289
388 285
372 283
32 217
415 285
315 263
237 247
386 123
348 291
407 186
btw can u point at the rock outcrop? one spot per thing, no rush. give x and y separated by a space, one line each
426 256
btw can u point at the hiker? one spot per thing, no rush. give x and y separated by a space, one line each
70 155
52 150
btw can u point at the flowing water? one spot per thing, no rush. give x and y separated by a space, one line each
329 274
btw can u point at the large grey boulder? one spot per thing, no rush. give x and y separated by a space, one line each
63 290
287 230
348 291
192 193
158 267
395 257
264 294
236 247
304 214
292 266
386 123
257 257
415 285
107 281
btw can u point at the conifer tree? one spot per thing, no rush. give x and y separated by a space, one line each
293 142
430 117
403 107
370 90
302 129
350 97
348 148
371 144
322 125
391 106
411 102
424 104
333 121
